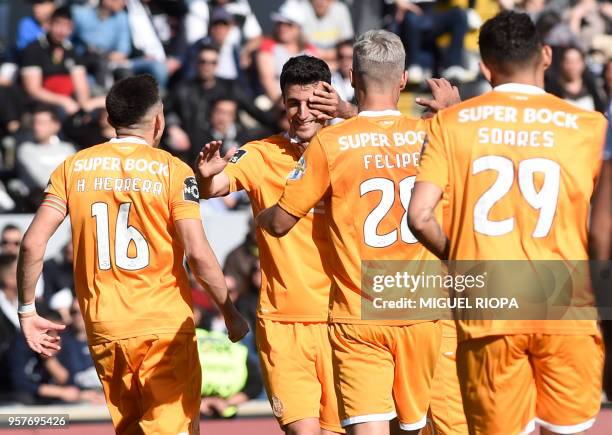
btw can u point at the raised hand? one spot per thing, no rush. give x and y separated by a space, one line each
210 162
444 95
41 334
326 104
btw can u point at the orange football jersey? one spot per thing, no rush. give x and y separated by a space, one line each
294 283
364 168
123 198
519 167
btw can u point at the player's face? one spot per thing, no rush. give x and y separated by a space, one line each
302 123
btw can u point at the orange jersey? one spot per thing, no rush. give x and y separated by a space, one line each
364 168
294 283
519 168
123 198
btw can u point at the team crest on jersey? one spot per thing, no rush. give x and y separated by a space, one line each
237 156
277 407
298 171
190 190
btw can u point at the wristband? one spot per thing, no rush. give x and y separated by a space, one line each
26 309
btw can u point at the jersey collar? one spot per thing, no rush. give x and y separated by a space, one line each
373 113
519 88
129 139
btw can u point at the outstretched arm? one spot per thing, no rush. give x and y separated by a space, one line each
207 271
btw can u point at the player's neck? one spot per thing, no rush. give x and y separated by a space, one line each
527 78
123 133
376 102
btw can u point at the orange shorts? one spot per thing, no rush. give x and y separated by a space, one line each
446 415
385 371
509 382
151 383
296 363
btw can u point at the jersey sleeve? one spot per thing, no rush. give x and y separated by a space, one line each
433 166
56 192
184 195
308 183
245 169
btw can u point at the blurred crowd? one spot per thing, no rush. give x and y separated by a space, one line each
219 67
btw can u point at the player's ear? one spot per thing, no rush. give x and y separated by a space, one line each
404 80
486 72
546 56
352 77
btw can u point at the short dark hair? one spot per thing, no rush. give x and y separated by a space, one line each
130 99
46 108
304 70
62 12
509 41
9 227
207 46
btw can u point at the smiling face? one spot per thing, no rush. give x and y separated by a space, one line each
302 122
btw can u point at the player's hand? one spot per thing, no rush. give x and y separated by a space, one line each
444 95
41 334
210 162
237 327
326 104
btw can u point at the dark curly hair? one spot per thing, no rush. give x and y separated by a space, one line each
130 99
509 41
304 70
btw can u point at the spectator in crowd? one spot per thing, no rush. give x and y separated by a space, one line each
574 83
102 35
10 110
30 28
89 129
188 106
223 33
341 79
146 40
51 71
287 41
419 24
37 159
75 356
224 126
10 239
246 27
327 23
588 19
9 321
58 279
